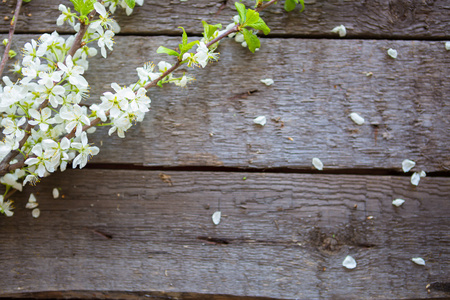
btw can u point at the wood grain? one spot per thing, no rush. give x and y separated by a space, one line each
318 83
364 19
281 235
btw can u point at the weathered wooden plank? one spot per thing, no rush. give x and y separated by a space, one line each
281 235
370 19
317 84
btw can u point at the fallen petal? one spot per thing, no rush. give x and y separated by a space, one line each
407 165
349 262
415 178
357 118
35 213
216 217
267 81
317 163
392 53
418 260
261 120
31 205
398 202
55 193
423 174
32 198
447 45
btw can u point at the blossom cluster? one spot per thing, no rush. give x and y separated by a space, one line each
42 114
45 122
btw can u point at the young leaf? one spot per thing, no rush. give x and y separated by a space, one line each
185 37
241 10
210 29
130 3
251 40
162 49
258 24
289 5
187 47
84 7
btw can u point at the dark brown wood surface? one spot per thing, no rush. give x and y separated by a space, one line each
128 228
368 19
318 83
281 235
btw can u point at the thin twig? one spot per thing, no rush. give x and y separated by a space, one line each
12 28
4 164
148 85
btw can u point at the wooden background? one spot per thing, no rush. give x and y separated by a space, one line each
136 222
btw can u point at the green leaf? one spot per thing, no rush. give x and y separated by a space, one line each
289 5
251 40
255 21
84 7
130 3
185 37
162 49
241 10
208 30
187 47
251 17
302 3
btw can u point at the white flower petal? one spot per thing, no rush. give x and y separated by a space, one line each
100 9
31 205
422 174
392 53
349 262
447 46
317 163
216 217
407 165
32 198
357 118
398 202
35 213
418 260
341 30
268 81
261 120
55 193
415 178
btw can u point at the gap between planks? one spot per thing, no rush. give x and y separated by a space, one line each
349 171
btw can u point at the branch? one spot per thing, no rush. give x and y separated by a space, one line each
147 86
10 36
4 164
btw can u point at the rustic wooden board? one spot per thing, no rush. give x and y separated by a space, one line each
317 84
281 235
369 19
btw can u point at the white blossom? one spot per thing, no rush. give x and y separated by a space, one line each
6 207
73 72
85 151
